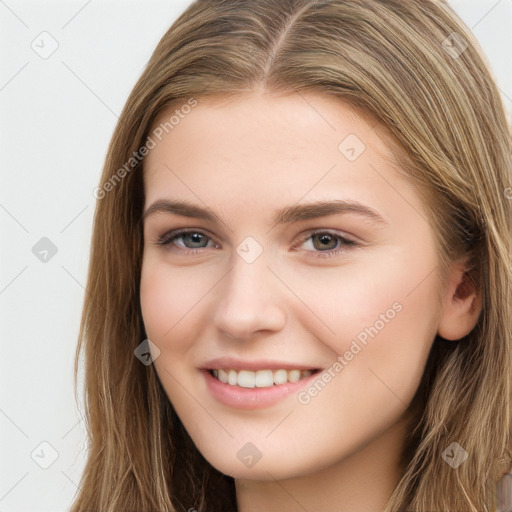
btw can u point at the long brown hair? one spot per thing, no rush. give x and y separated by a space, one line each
417 70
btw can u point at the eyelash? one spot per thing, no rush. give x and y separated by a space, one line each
168 238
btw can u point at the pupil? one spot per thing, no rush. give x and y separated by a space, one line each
324 240
195 238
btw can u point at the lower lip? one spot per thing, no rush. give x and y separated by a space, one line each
253 398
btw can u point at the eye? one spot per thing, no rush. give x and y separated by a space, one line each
188 240
320 243
326 243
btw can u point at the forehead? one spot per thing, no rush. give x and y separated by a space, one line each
263 148
242 120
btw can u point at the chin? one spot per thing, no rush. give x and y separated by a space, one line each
249 463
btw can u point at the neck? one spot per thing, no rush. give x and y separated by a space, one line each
361 482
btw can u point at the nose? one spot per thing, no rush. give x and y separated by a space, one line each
250 301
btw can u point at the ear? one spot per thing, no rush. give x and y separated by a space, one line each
462 304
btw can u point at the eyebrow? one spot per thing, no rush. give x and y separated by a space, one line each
287 215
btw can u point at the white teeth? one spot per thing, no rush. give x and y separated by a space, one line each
246 379
264 378
232 377
294 375
260 378
280 377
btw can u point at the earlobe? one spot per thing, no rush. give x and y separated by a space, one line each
462 305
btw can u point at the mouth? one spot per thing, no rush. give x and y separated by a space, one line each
255 383
256 389
265 378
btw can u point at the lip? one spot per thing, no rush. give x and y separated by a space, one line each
254 398
232 363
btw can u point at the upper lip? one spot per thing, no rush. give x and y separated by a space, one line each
232 363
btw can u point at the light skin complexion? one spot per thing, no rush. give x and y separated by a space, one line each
296 294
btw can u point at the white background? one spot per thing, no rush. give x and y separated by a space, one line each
56 119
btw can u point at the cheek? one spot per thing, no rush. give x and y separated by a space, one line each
385 320
155 295
381 315
368 291
164 299
171 299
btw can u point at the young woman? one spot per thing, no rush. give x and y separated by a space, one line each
299 295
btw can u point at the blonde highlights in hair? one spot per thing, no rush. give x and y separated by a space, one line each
448 131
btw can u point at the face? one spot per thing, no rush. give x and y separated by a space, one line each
295 314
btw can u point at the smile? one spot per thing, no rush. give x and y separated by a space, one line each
259 378
255 389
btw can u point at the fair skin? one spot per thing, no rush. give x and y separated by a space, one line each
245 159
